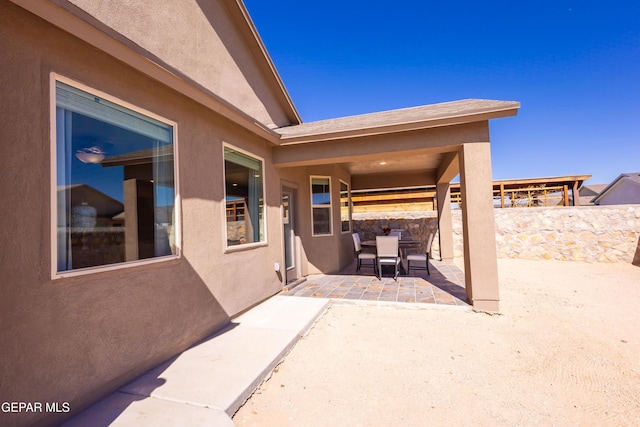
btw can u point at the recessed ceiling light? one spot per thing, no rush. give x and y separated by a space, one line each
382 163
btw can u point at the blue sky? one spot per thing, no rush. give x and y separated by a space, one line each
573 65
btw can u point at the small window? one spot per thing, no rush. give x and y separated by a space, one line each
321 205
345 207
115 183
244 198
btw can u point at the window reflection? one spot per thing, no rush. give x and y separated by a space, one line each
244 198
115 182
321 205
345 206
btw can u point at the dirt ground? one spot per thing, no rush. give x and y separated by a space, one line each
565 350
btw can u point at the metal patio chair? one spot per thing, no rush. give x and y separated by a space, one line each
388 253
363 256
421 259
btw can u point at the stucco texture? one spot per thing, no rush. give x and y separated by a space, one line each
199 39
78 338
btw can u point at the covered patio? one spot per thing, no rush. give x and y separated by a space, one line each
445 286
421 146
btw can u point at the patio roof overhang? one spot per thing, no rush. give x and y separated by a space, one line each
405 147
426 145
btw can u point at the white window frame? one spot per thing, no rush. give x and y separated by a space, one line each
348 207
244 246
55 274
329 206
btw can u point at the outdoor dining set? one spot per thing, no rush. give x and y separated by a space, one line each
389 250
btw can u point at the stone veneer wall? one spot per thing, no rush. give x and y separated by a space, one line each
585 233
416 225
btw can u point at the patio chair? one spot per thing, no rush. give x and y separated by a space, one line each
363 256
396 232
421 259
388 253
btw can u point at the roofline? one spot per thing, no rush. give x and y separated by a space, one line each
510 109
78 23
608 187
249 29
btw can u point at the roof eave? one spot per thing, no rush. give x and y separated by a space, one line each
610 186
356 132
240 13
126 51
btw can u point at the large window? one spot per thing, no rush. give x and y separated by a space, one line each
321 205
244 198
345 207
115 183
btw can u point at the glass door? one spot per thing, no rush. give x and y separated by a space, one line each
288 227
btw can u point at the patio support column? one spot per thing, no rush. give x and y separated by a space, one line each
478 225
447 171
445 227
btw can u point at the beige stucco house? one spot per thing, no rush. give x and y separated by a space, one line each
624 190
158 180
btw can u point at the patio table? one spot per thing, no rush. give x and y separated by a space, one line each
403 244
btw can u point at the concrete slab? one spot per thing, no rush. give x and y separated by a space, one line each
218 374
280 312
126 410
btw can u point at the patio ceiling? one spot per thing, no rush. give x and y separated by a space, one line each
392 169
394 163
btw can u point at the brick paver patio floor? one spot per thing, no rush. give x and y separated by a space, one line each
444 286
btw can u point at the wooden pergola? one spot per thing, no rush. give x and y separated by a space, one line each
531 192
528 192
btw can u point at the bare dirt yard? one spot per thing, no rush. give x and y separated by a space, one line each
565 350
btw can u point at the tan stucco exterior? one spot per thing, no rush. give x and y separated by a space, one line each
200 65
209 42
625 189
77 338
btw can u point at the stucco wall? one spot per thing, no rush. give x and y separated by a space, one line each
77 338
623 191
586 233
327 253
199 39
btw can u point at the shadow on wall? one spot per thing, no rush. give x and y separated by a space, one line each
636 257
98 333
107 411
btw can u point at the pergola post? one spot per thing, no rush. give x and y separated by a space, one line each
478 224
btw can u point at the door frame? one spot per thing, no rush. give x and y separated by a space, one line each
290 243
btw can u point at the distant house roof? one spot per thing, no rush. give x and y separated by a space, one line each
588 192
633 179
592 189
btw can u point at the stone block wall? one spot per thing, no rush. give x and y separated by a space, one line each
585 233
416 225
